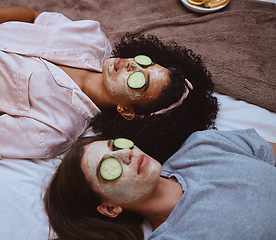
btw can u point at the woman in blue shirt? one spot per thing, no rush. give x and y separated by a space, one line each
219 185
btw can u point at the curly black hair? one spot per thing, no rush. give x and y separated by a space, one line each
161 136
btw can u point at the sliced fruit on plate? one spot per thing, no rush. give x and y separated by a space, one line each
217 3
197 2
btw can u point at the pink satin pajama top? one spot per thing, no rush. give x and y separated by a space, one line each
42 110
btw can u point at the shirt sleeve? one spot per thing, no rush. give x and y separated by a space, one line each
51 18
55 38
252 143
222 145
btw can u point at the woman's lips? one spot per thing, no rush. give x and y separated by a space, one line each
142 162
117 63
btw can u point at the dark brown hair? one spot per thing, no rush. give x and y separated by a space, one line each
71 204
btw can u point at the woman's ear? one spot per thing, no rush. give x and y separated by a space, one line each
126 112
109 210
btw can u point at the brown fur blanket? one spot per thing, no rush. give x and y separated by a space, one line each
237 44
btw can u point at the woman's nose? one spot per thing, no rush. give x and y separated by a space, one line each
130 64
124 155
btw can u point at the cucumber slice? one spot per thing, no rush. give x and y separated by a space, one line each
136 80
111 169
122 143
143 60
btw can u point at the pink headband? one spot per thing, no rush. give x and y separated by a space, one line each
178 103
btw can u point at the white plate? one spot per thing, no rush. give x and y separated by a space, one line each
201 9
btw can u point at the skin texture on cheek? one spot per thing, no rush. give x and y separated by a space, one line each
92 166
125 190
120 192
158 73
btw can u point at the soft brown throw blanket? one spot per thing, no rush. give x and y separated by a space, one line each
237 44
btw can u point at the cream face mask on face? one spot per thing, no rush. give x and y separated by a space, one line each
129 83
131 184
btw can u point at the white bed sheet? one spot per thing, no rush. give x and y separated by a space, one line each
22 182
237 114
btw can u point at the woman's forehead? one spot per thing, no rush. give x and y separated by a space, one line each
93 153
159 74
94 148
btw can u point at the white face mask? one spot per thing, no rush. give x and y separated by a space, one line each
140 172
115 75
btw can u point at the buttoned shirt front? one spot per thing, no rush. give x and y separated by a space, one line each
42 110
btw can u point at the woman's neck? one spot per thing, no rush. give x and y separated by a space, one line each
162 201
90 83
94 89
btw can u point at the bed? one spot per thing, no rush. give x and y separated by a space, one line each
237 44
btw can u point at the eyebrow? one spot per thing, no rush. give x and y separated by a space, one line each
109 145
148 80
147 83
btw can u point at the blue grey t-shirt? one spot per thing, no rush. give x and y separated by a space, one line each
229 183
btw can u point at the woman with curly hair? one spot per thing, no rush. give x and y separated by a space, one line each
166 130
61 76
219 185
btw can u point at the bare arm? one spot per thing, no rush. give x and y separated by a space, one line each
273 145
20 14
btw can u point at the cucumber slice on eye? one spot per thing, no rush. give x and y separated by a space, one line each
111 169
136 80
122 143
143 60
